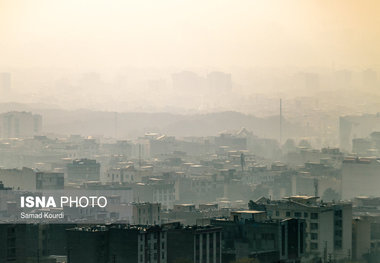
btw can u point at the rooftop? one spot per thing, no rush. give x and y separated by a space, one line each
248 212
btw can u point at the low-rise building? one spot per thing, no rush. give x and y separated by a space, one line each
49 181
117 243
83 170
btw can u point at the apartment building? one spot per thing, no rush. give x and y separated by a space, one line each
328 225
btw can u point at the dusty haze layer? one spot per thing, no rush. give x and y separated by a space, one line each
108 34
190 57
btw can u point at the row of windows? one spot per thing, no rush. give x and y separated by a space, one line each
338 244
314 236
155 255
313 226
125 176
299 214
153 236
338 223
154 246
313 246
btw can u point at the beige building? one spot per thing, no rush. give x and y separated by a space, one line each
20 125
19 179
360 176
141 213
328 225
361 237
126 174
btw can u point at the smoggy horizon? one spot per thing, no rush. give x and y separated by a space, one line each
183 34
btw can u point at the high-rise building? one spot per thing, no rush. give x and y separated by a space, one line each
369 78
219 82
5 83
361 126
20 125
188 82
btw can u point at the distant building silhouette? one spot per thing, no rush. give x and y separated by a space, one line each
20 124
219 81
5 83
83 169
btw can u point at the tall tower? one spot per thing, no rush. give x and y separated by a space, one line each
316 187
280 122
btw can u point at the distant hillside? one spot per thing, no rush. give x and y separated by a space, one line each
133 124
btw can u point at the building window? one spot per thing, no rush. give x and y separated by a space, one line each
313 226
338 223
313 246
302 235
287 213
338 213
297 214
305 215
338 244
277 213
314 236
314 215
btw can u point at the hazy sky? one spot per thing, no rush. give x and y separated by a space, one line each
200 33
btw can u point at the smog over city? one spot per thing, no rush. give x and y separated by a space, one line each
177 131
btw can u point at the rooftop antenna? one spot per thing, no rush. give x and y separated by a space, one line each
140 162
280 122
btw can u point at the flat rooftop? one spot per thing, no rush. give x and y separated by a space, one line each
248 212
